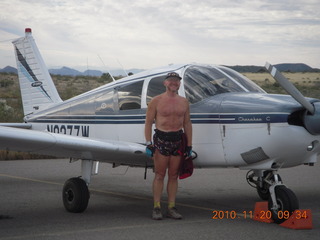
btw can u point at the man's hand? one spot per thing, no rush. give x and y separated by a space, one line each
150 150
188 151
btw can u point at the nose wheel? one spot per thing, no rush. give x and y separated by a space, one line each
268 179
285 204
282 201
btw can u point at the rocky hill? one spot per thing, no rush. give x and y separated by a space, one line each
66 71
283 67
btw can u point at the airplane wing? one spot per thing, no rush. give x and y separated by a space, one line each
119 152
17 125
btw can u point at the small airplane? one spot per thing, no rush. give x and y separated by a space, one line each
235 124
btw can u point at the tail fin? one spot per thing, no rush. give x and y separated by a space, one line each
37 88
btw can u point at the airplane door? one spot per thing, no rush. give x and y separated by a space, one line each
207 141
105 109
242 135
205 117
130 117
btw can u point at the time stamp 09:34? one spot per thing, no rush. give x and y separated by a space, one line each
219 214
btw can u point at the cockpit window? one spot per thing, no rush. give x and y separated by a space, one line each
155 87
201 82
129 96
248 84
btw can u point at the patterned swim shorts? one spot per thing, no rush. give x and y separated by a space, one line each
168 143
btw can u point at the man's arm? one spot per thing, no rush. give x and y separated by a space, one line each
187 125
150 116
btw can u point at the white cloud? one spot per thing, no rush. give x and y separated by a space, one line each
146 33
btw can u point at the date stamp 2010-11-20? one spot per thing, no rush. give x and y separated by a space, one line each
219 214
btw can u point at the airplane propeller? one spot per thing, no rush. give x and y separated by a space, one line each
311 117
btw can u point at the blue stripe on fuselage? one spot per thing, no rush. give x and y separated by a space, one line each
243 118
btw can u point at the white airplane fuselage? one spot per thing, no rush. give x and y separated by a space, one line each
235 122
248 130
214 150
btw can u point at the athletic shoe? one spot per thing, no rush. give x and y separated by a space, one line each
156 214
173 213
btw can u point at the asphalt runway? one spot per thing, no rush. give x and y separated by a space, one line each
121 203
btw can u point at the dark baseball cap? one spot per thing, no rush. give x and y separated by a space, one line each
173 75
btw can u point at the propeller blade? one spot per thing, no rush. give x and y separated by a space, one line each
290 88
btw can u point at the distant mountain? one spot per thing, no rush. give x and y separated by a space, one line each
283 67
294 67
95 73
65 71
9 69
252 69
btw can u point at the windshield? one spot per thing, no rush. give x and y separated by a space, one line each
201 82
244 81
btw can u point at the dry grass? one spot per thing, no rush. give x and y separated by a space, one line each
11 155
307 83
297 78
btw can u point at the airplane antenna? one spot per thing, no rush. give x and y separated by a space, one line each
122 68
87 66
106 68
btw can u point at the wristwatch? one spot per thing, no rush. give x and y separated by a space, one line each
148 143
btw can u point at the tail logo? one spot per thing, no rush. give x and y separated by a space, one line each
36 84
26 66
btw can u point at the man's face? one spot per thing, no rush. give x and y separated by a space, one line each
172 84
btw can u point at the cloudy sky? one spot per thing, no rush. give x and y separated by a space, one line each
150 33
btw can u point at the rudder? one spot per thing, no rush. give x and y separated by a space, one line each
38 91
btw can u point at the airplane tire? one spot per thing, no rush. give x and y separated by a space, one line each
286 200
263 192
75 195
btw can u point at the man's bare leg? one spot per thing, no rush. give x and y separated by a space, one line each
172 187
160 164
173 170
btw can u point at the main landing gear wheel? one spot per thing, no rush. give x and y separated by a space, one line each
287 203
262 180
263 191
75 195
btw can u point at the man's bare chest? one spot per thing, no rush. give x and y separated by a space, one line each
171 109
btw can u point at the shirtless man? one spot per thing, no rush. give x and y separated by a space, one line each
171 114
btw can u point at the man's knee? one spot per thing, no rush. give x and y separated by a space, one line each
173 176
159 176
